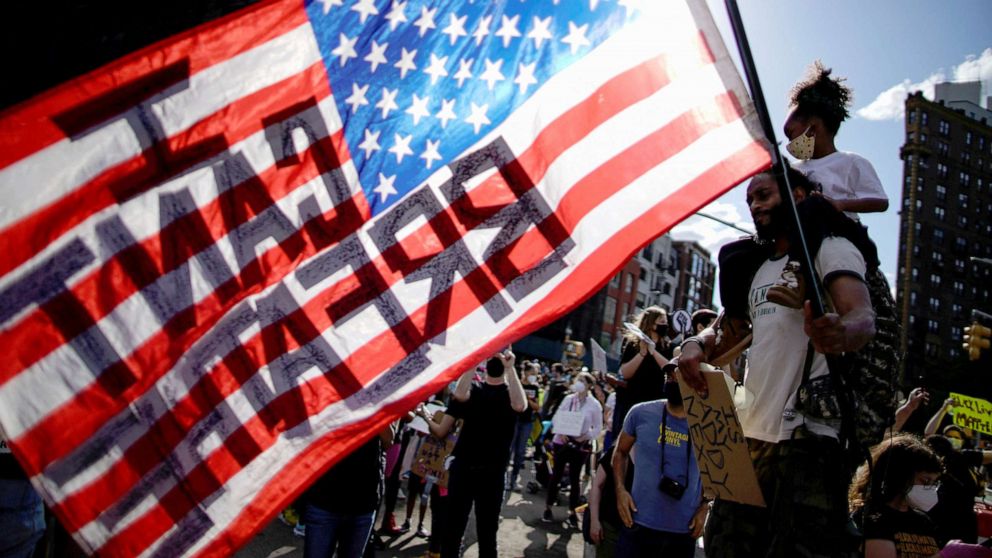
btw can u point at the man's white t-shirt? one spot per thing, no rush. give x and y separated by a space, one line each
844 176
778 351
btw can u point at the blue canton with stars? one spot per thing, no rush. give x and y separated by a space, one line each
417 83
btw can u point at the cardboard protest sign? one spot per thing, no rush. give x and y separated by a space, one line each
567 423
431 460
724 461
972 412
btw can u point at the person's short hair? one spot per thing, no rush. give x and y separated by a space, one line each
703 316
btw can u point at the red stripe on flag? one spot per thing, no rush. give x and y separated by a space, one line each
229 125
586 279
383 351
28 127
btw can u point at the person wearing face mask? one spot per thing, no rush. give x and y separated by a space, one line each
891 499
640 365
663 512
476 475
954 513
525 420
574 450
819 104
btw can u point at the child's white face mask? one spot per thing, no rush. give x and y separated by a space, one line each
802 147
922 497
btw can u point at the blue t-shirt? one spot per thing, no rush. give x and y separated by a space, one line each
656 510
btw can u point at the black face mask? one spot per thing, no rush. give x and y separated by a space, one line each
661 329
673 394
494 367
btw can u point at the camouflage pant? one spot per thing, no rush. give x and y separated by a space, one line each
804 482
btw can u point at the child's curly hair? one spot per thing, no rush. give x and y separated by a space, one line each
820 95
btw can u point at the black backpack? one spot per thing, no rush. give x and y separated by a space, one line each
867 379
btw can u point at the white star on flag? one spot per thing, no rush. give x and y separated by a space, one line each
387 102
396 15
406 62
455 28
436 68
385 187
541 31
525 76
346 48
365 8
447 112
463 72
430 153
402 147
508 30
426 20
492 73
328 4
482 31
377 55
576 36
478 117
357 98
371 143
418 108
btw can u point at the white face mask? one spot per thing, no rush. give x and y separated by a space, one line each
922 497
956 443
579 386
802 147
532 379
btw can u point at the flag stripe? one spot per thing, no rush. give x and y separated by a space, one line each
28 238
687 128
119 166
202 47
631 85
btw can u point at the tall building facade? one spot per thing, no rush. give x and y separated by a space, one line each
945 221
696 275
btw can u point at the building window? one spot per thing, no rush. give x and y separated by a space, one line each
942 148
935 279
644 274
941 170
944 128
932 326
923 117
912 297
966 159
958 288
961 244
963 221
957 310
915 274
981 143
941 192
633 285
611 309
934 303
615 282
963 201
938 236
911 117
938 212
967 137
965 179
930 349
959 265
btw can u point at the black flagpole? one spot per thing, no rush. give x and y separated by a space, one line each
784 188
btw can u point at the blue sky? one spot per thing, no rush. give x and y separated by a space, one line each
884 48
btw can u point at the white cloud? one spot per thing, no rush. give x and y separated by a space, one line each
890 104
710 234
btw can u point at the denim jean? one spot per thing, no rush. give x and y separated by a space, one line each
329 530
22 518
519 448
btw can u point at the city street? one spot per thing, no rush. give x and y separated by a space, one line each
521 533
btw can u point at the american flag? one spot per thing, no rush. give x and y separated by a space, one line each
233 256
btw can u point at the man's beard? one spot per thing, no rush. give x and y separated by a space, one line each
778 217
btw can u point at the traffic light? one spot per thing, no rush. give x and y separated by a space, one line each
976 338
